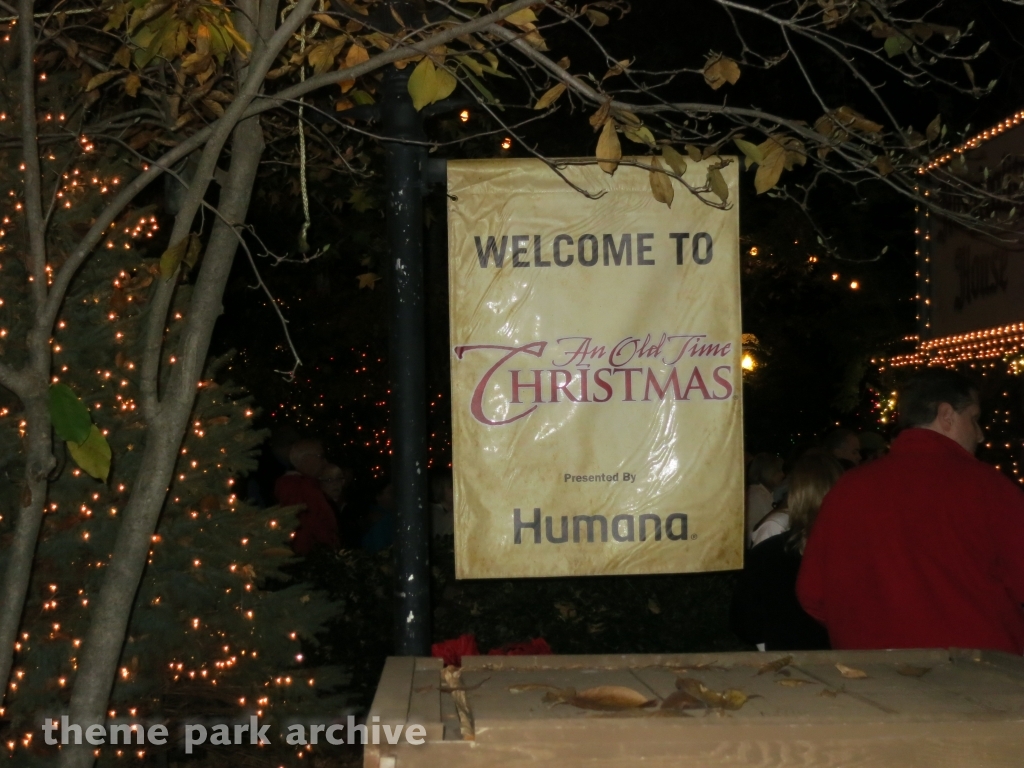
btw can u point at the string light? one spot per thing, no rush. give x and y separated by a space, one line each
975 141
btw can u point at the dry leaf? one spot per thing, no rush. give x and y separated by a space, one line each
524 687
775 666
828 693
909 671
97 80
851 673
550 96
521 18
132 84
661 188
694 152
717 182
883 164
640 135
597 18
610 697
609 150
674 159
720 70
451 677
794 682
598 119
682 700
731 699
773 162
326 20
123 57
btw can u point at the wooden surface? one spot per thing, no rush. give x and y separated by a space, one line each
966 711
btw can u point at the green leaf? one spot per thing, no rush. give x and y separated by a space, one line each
172 257
193 250
751 151
69 415
675 160
92 454
898 44
488 96
361 97
423 85
640 135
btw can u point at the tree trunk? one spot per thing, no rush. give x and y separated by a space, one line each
109 623
38 463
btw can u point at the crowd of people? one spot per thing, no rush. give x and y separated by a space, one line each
864 545
336 510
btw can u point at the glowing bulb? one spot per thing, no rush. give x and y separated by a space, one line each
747 363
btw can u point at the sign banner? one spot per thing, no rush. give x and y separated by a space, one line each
596 381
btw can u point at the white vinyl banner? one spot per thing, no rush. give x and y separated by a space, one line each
596 380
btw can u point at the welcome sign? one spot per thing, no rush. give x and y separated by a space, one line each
596 381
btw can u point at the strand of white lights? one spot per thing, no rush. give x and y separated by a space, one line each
975 142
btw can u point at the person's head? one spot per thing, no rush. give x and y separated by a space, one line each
307 456
872 446
766 469
844 445
943 401
334 480
813 476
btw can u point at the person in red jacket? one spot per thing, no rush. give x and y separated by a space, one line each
301 487
923 548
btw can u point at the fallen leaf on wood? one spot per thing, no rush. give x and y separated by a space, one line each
775 666
909 671
682 700
794 682
851 673
603 697
728 699
524 687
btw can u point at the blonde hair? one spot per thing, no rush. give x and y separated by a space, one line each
812 478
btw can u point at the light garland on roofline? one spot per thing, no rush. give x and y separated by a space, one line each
975 141
1004 342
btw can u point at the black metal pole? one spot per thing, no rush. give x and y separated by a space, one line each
400 121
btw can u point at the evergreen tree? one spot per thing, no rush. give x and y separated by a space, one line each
207 638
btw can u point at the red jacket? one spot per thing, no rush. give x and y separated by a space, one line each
316 522
921 549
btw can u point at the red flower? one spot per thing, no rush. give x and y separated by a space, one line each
536 647
452 651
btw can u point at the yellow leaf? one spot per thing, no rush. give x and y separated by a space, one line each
751 151
597 18
97 80
93 454
661 184
599 118
694 152
355 56
536 40
240 42
550 96
883 164
769 170
328 21
446 83
367 279
720 70
171 258
675 160
851 672
521 17
321 57
718 185
123 57
609 150
640 135
423 84
132 85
